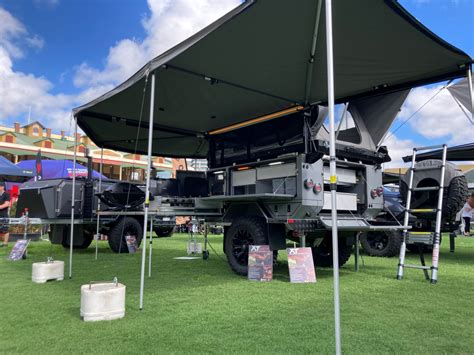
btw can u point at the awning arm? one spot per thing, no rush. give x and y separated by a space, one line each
216 81
309 71
257 120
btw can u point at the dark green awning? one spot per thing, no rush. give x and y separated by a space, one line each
255 60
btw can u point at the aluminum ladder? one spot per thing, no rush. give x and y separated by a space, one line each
423 238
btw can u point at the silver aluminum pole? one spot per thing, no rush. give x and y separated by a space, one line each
73 198
333 178
147 189
151 246
98 204
471 94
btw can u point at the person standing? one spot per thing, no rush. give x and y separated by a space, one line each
467 212
4 206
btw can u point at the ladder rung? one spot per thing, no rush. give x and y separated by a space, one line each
429 147
421 168
418 267
420 233
426 188
423 210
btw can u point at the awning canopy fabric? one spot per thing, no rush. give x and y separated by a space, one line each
464 152
460 92
257 60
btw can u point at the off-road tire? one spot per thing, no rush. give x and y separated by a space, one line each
385 244
322 254
163 232
243 232
119 230
87 239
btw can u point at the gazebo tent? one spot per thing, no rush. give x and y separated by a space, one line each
58 169
9 170
266 57
464 152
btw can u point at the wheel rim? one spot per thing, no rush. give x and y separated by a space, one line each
378 241
241 241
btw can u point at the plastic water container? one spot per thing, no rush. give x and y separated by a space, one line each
47 270
102 301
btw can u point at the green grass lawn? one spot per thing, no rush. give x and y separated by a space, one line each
196 306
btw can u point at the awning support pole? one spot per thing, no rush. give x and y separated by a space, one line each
309 72
151 246
98 204
147 188
73 197
471 94
333 177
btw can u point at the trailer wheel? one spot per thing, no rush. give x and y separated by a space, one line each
243 232
386 244
163 232
322 254
123 227
87 238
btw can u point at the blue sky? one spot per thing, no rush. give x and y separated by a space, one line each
62 49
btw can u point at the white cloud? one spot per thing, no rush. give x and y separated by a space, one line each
441 120
169 23
398 148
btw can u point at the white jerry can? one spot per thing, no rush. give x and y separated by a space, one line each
102 301
47 270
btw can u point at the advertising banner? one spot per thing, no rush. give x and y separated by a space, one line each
260 263
301 266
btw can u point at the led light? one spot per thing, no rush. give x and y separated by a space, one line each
275 163
380 191
291 221
373 193
308 184
317 188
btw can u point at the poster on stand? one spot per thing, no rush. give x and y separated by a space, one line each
260 265
131 243
19 250
301 266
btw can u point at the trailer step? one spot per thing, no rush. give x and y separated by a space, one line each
423 210
426 188
418 267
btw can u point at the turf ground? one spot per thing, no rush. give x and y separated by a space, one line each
196 306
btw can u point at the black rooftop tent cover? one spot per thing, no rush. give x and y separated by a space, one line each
254 61
464 152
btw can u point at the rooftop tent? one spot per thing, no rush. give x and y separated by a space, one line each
464 152
58 169
9 170
256 60
461 92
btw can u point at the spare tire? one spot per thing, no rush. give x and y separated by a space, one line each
455 191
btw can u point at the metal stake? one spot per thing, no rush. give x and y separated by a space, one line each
73 198
333 177
147 188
